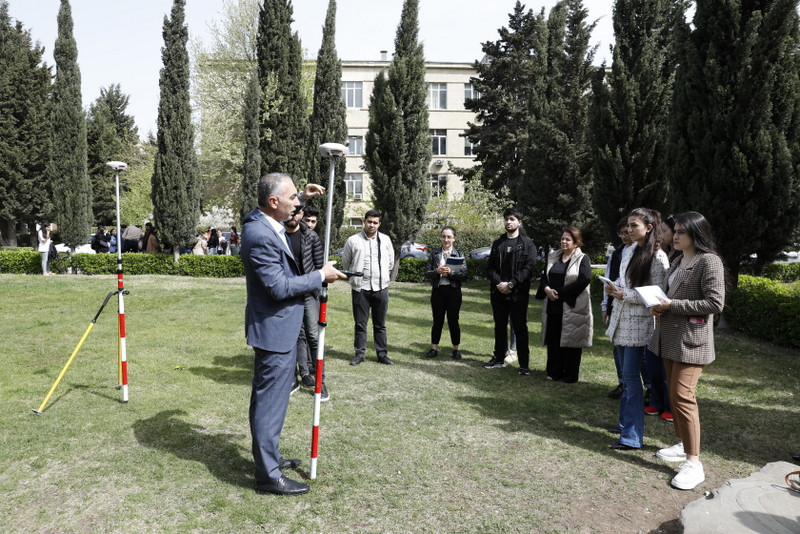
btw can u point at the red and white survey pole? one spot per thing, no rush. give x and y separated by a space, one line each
122 355
331 151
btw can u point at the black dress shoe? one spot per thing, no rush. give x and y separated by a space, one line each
456 354
289 464
283 486
616 392
796 457
432 353
357 360
385 360
622 447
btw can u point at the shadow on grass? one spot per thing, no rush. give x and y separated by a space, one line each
581 415
235 370
165 431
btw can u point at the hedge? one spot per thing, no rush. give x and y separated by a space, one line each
765 309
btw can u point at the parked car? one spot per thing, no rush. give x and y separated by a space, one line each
479 253
414 250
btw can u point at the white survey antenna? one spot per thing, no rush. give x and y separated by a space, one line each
117 165
333 150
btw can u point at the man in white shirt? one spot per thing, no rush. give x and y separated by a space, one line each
371 253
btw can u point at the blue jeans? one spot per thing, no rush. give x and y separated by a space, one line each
658 382
631 404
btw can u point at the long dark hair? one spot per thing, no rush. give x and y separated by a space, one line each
699 230
638 273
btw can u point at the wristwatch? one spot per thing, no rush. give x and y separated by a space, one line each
511 285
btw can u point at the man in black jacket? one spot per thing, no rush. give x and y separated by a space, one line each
509 269
101 241
309 254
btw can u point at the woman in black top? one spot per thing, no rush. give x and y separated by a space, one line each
445 273
567 314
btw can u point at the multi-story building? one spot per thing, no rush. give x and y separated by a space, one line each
448 87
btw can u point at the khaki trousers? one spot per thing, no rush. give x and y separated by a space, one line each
682 383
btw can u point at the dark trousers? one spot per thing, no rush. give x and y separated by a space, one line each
517 310
308 342
659 396
363 302
563 363
273 376
446 300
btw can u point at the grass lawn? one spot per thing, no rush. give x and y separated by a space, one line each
424 446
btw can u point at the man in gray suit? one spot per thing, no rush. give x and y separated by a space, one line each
275 304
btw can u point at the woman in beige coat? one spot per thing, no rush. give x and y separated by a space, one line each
567 313
684 336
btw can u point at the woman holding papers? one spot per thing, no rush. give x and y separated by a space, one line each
567 315
684 336
631 325
446 269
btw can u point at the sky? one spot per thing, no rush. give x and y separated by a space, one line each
120 41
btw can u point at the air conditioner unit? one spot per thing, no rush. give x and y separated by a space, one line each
438 162
357 196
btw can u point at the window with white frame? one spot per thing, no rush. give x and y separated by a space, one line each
437 96
355 146
470 92
438 142
438 184
469 146
355 185
355 222
351 94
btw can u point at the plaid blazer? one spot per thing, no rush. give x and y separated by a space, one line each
686 332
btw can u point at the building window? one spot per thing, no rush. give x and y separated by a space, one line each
437 96
438 142
355 222
355 186
351 94
469 146
355 146
438 184
470 92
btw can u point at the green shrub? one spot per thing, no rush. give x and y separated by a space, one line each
20 261
766 309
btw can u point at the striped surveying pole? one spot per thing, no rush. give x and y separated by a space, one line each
122 354
331 151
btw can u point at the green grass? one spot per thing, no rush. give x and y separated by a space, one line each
422 446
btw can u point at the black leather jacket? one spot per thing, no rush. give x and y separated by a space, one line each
522 260
457 276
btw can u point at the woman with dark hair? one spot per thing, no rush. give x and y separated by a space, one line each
684 336
234 248
667 233
213 242
631 325
446 269
567 316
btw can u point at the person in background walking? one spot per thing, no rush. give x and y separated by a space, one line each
446 270
567 315
684 335
44 240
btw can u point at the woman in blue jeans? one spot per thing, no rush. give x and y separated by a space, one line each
631 326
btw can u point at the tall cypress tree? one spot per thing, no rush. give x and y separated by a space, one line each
67 171
514 66
630 110
328 122
557 185
400 190
284 126
251 170
733 153
25 135
176 183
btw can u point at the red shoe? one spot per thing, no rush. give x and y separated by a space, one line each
667 416
649 410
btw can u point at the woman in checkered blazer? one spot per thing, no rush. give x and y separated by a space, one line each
684 336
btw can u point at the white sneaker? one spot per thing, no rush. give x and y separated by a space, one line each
690 475
672 454
511 356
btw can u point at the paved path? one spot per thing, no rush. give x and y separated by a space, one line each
761 503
